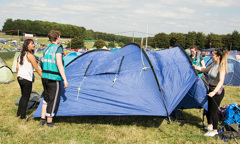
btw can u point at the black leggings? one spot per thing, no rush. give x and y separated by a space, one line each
26 89
213 104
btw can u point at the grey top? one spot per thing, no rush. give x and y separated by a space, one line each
214 74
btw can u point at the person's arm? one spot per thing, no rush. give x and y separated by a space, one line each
61 69
33 61
17 68
202 62
220 83
203 69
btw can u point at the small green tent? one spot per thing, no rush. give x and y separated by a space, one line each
6 74
14 64
4 50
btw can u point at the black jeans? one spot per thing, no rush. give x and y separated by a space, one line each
213 104
26 89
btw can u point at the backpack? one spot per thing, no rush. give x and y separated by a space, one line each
230 131
232 114
222 113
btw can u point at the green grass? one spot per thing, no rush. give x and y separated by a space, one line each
100 129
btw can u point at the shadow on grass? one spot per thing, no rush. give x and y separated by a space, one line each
145 121
187 118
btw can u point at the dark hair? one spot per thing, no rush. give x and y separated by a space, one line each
193 47
25 49
223 53
53 35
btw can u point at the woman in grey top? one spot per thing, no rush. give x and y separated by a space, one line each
216 71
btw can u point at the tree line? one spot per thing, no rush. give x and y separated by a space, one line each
160 40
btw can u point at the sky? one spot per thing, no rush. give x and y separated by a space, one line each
122 17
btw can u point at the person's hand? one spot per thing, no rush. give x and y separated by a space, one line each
65 84
211 94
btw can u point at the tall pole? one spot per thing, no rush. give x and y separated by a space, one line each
142 42
147 37
133 36
18 37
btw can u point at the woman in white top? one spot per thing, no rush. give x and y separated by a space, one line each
25 65
216 72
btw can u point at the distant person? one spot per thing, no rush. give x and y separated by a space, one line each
196 58
172 42
53 74
25 64
216 71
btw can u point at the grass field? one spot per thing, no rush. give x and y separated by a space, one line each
100 129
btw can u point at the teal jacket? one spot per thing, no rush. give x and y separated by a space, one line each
197 61
50 69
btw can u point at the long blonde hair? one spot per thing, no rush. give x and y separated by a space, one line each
223 53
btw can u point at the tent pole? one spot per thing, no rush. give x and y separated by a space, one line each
154 73
169 120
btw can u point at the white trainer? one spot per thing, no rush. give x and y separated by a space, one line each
207 128
210 133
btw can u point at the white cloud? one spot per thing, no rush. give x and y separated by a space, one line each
218 3
114 16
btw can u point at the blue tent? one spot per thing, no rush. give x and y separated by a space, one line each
68 58
209 49
130 81
233 76
2 41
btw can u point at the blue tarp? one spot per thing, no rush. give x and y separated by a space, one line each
129 82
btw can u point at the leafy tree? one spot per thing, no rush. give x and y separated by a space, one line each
215 40
111 44
121 44
191 38
200 40
227 41
89 35
177 39
99 43
235 40
161 40
8 25
76 43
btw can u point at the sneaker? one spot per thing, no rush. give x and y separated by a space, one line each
42 122
210 133
23 117
51 125
207 128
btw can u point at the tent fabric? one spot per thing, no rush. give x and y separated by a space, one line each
14 64
39 52
232 78
209 49
69 57
4 50
6 75
126 82
196 97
